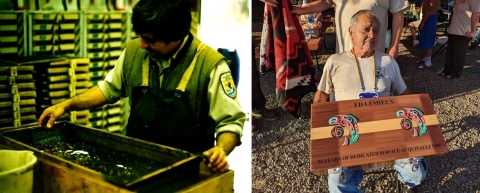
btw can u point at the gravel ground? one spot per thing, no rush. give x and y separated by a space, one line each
280 149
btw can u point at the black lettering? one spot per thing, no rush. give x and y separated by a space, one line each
357 156
436 145
328 160
345 157
391 101
358 104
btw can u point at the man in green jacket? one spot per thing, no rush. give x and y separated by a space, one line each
181 91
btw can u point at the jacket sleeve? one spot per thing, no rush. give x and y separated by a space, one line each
225 107
112 86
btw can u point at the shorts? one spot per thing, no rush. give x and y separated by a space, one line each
429 33
416 23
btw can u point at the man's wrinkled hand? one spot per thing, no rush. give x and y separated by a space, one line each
52 113
218 159
272 3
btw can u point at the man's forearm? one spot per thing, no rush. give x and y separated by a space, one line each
227 141
90 99
474 21
397 23
315 7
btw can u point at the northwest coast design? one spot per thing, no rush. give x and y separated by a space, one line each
414 114
343 122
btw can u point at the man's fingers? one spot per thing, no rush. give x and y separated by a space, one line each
213 158
51 121
41 119
225 168
220 158
222 166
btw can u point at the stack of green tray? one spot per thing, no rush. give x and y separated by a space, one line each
60 80
12 39
18 91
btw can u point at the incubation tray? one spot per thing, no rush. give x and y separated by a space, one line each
124 161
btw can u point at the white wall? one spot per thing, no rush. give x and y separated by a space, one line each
222 25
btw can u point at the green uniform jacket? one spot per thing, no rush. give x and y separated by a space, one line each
211 105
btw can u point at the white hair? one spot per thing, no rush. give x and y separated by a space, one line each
353 21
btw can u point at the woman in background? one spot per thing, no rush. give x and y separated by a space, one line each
462 28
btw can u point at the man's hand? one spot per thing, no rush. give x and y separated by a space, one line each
393 51
296 10
90 99
218 159
320 97
53 113
469 34
272 3
420 26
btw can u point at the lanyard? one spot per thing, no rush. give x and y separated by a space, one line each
360 77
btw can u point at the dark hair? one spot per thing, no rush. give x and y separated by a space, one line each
166 20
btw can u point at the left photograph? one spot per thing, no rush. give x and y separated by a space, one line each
125 96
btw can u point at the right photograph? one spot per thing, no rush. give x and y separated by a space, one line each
365 96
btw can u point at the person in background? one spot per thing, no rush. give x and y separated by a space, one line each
347 76
181 91
258 99
344 9
416 10
428 31
462 28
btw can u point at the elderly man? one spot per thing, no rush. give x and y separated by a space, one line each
363 72
181 91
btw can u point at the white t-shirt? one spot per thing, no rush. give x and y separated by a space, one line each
341 79
462 13
345 10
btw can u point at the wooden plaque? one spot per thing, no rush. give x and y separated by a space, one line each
376 132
